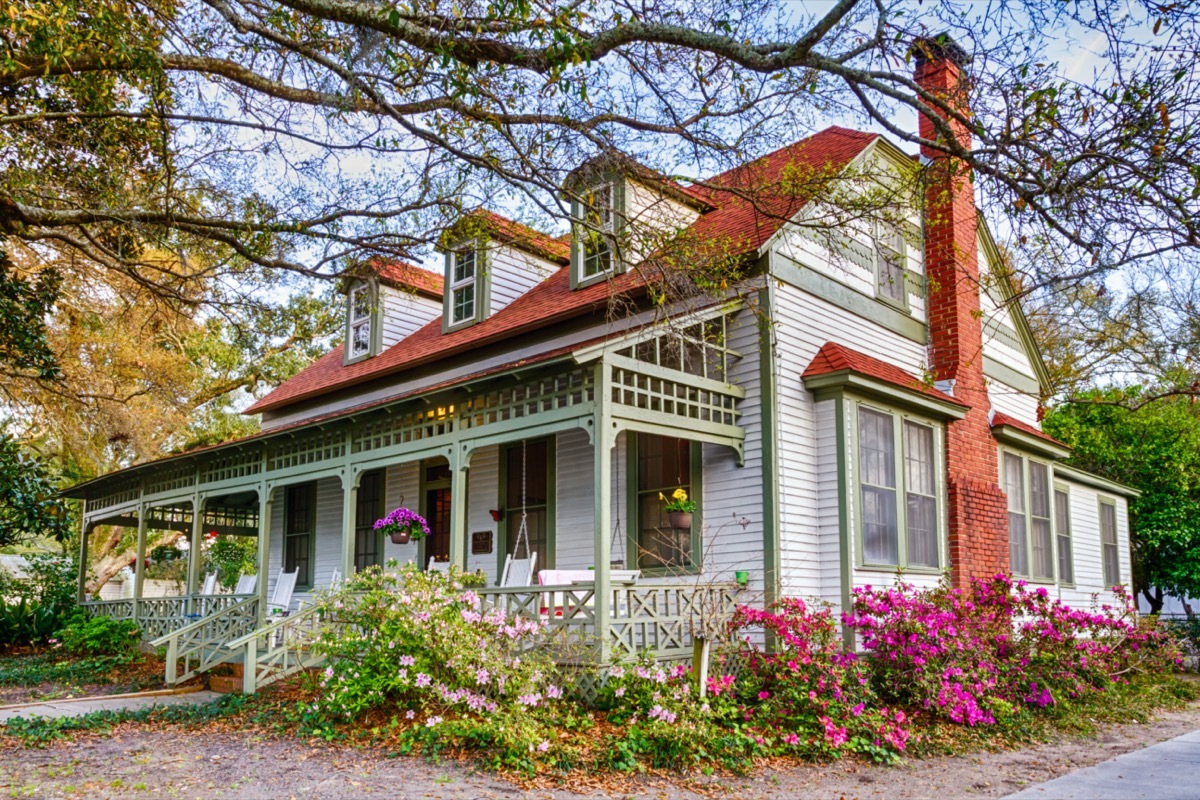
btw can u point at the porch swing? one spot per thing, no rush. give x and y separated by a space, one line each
519 571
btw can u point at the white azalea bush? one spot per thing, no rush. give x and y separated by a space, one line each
425 648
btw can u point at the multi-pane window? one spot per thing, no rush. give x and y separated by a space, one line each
662 464
369 508
1062 531
1030 534
890 272
463 283
361 317
1108 543
702 349
299 531
597 231
898 490
527 475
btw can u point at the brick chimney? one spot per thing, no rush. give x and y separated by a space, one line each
978 531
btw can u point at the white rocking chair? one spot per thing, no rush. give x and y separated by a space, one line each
518 571
439 566
246 584
210 584
281 599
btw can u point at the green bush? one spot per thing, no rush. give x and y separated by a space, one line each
39 603
99 636
24 623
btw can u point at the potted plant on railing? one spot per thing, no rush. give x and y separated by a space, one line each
403 525
679 508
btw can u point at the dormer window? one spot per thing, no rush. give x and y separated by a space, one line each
890 260
464 297
361 327
594 237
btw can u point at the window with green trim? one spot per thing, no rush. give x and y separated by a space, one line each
360 322
898 490
527 488
464 281
890 259
1062 534
368 543
660 465
299 532
1030 532
1111 553
596 234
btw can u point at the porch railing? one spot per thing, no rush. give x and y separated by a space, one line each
159 616
201 645
279 649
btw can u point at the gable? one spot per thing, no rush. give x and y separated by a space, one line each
1011 354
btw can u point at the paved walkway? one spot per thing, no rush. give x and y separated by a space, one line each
77 708
1166 771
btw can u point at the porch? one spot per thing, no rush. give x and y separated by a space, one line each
578 430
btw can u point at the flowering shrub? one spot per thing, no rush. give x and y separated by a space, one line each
968 656
422 644
809 696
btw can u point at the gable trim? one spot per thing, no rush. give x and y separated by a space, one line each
1009 301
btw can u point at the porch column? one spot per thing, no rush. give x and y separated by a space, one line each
265 495
194 548
83 562
458 507
349 509
604 439
139 569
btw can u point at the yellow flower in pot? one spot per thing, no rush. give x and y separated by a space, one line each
679 508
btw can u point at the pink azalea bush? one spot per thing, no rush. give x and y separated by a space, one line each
971 656
809 696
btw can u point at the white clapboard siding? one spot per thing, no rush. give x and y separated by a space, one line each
828 518
1013 402
483 494
404 313
1086 545
403 488
574 514
650 215
513 272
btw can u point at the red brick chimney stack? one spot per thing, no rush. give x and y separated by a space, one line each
978 531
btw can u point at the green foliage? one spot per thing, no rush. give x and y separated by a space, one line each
100 636
38 603
55 667
42 731
24 304
1155 449
29 507
24 622
230 557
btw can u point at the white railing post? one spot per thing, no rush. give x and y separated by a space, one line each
172 654
250 666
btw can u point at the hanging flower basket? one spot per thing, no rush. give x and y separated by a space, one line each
680 519
679 508
403 525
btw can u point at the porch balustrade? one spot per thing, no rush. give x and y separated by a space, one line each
159 616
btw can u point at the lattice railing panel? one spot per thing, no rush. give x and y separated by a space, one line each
158 616
310 448
126 493
220 516
201 645
396 429
548 393
169 516
675 398
171 478
116 609
663 618
281 648
232 466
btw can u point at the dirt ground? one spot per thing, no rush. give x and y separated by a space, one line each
147 763
144 674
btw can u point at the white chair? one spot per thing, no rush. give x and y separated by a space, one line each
281 599
439 566
518 571
210 584
336 579
246 584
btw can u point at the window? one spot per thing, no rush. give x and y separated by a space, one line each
662 464
299 531
532 461
1030 534
1062 530
890 271
369 508
1108 542
896 459
463 282
359 339
596 232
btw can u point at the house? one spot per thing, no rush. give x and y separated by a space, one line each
863 400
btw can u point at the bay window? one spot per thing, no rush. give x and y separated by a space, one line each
1030 533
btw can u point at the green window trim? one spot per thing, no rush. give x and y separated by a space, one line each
1108 504
632 506
1027 513
476 283
300 532
611 230
370 319
1062 531
851 460
424 485
509 526
371 500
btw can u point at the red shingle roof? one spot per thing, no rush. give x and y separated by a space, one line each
741 222
408 276
833 357
1003 420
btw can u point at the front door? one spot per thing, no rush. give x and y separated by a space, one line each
436 482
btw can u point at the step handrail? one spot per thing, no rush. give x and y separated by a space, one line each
271 627
191 627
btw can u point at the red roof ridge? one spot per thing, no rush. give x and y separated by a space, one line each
1000 419
834 357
